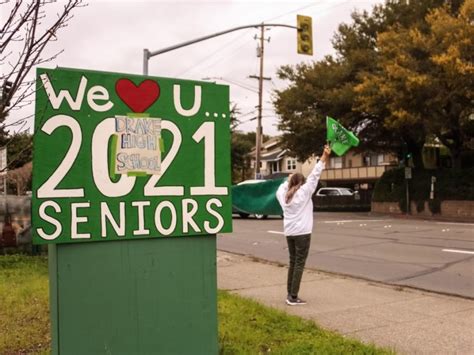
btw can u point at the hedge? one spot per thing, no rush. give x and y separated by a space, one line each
451 184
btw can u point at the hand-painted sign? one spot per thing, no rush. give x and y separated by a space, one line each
121 156
138 145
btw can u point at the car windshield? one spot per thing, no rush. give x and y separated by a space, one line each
346 192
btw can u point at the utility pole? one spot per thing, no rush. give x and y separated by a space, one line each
304 38
258 136
259 116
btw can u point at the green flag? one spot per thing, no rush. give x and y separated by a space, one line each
341 139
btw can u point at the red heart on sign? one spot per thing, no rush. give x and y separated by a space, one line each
140 97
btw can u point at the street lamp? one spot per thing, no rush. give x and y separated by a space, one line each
147 54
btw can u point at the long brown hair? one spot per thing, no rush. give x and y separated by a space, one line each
295 183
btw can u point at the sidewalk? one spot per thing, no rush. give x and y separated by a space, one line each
406 320
435 217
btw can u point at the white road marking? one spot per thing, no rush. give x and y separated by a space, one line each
275 232
457 223
458 251
359 220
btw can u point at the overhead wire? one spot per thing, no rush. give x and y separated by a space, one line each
270 92
227 56
220 49
223 58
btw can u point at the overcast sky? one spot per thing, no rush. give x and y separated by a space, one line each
110 35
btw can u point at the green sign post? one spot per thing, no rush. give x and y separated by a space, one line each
131 185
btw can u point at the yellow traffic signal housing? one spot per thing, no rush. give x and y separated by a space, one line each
304 35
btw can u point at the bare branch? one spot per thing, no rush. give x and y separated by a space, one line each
23 24
11 17
19 121
19 23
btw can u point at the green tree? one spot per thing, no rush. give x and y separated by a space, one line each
424 78
328 87
234 121
303 105
19 150
242 144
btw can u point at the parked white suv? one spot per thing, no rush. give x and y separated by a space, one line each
335 191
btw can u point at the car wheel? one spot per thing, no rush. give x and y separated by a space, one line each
261 216
244 215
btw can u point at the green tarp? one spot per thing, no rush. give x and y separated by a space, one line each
257 198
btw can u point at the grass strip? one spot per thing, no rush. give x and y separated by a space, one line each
245 326
24 307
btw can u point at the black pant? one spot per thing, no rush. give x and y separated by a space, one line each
298 246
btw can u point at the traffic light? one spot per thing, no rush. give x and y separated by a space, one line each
304 35
6 89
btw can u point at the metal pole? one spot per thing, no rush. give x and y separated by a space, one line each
187 43
259 116
5 191
146 55
3 164
408 197
433 180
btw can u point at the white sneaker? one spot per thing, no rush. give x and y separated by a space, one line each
295 301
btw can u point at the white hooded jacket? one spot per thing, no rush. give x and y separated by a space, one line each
298 214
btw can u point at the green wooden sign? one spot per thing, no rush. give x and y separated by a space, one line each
120 156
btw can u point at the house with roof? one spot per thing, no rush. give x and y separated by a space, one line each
275 161
358 171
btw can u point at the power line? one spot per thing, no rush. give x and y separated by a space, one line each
322 12
234 82
321 2
242 85
226 45
223 59
293 11
248 113
226 57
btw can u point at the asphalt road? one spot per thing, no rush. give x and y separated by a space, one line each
431 255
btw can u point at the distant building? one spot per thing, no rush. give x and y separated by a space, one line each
358 171
275 160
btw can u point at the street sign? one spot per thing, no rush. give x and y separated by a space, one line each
407 173
120 156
